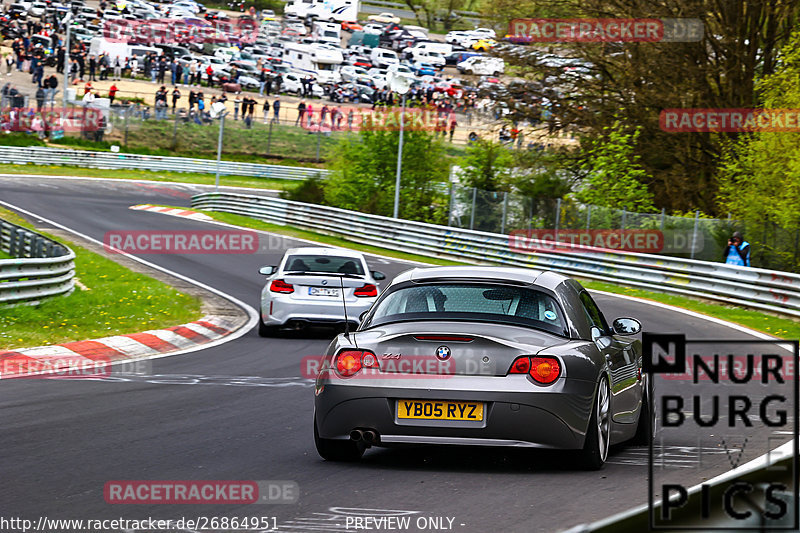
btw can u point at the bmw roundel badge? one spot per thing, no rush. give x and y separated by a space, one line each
443 352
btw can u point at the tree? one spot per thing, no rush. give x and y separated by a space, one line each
364 172
635 81
615 177
485 165
760 174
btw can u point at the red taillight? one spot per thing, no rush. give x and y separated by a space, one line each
367 290
350 362
542 368
521 366
278 285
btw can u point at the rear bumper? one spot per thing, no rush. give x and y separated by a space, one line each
283 311
516 412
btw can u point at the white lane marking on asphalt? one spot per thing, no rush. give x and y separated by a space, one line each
715 320
251 313
192 379
122 180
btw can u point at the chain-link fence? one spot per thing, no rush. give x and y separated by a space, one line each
695 237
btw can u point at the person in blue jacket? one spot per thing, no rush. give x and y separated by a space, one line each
738 251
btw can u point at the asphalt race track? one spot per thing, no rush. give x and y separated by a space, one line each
242 411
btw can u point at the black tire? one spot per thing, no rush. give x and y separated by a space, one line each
337 450
595 449
265 330
645 428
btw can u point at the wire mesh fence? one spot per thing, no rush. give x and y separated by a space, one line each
697 237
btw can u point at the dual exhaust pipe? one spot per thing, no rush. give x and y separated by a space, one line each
368 436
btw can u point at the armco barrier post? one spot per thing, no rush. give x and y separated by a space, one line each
558 216
505 209
452 197
694 232
472 212
127 112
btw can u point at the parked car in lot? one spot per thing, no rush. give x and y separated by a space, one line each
423 69
384 18
352 73
483 356
482 66
292 84
316 286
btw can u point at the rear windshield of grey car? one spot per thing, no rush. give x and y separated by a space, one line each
326 263
478 302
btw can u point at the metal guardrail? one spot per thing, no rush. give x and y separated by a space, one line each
41 267
752 287
109 160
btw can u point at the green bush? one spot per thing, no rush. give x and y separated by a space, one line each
310 191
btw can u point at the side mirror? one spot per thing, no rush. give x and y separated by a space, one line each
362 315
378 275
267 270
626 326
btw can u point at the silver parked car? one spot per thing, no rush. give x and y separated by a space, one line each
484 356
306 288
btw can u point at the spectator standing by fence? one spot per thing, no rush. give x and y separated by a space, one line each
176 95
738 251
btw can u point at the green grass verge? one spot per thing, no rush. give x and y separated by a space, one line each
771 324
117 301
4 255
172 177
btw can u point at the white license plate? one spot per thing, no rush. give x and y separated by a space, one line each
322 291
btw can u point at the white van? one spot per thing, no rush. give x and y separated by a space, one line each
327 32
431 57
482 66
383 57
443 48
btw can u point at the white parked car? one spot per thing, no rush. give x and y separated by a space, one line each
292 84
482 66
353 73
485 33
374 28
431 57
383 57
315 286
37 9
378 77
384 18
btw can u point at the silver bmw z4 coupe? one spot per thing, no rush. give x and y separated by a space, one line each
485 356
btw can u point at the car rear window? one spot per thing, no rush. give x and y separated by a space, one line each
324 263
478 302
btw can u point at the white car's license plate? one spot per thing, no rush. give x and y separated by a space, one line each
322 291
